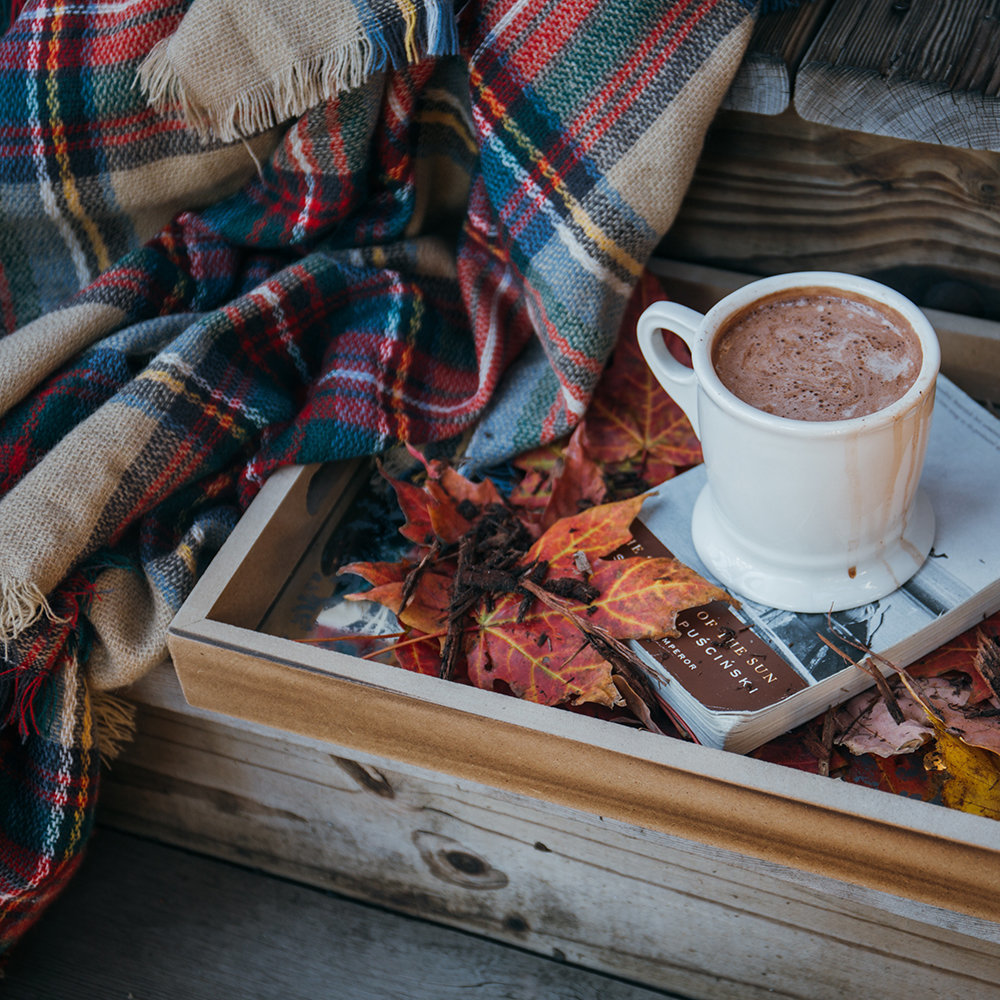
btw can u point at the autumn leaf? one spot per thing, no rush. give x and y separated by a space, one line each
959 655
448 523
987 661
378 574
796 749
578 482
445 483
459 488
559 481
900 774
531 494
540 461
867 726
419 654
903 774
415 505
426 609
444 507
971 727
971 775
544 659
640 598
631 419
595 532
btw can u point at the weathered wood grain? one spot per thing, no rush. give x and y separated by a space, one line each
774 194
650 907
913 69
763 83
147 922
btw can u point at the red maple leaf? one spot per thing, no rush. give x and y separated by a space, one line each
522 615
537 649
631 420
418 653
960 655
559 480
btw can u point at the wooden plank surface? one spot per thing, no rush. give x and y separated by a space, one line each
142 921
763 83
912 69
651 908
774 194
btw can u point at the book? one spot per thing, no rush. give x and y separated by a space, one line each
737 677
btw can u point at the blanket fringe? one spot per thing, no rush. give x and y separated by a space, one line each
285 95
22 604
304 83
114 723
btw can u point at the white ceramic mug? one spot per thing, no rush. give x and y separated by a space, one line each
808 516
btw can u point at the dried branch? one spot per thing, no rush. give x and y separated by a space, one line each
880 682
987 661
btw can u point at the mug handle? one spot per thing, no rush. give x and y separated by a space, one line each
679 381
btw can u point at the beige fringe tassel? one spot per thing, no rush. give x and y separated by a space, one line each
22 604
286 94
114 723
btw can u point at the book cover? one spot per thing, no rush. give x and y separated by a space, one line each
738 677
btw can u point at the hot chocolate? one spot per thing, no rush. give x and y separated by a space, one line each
817 354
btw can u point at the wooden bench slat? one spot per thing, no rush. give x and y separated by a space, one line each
148 921
910 69
763 83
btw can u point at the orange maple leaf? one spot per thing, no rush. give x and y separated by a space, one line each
536 648
641 597
595 532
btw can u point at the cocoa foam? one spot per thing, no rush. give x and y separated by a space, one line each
817 354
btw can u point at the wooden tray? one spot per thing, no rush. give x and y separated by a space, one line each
940 867
225 663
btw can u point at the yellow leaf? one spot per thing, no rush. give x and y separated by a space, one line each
972 775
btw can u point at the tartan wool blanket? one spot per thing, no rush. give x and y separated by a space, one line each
317 228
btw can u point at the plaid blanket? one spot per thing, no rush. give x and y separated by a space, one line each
430 223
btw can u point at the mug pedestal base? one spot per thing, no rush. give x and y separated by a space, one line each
751 574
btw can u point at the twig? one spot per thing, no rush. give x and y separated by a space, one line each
404 642
826 739
987 661
413 577
635 704
452 646
880 682
347 637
